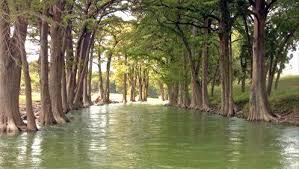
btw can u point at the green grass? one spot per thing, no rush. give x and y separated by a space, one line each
35 97
283 100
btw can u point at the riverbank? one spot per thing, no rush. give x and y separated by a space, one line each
284 100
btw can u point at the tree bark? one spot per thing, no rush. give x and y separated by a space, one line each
214 80
196 89
70 63
277 78
83 67
87 80
196 96
125 81
205 63
107 86
101 86
21 30
86 101
162 93
145 81
225 60
259 104
65 105
90 74
46 116
132 78
173 94
185 88
56 64
9 75
140 85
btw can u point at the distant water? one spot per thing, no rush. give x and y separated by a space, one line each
152 136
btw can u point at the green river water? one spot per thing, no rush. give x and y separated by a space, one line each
152 136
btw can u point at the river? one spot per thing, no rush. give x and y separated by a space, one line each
152 136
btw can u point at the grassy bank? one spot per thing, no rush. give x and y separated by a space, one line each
283 100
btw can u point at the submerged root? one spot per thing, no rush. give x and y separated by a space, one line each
262 116
9 126
195 107
61 118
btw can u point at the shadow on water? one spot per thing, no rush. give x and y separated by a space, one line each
152 136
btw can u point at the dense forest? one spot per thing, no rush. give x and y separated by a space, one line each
182 49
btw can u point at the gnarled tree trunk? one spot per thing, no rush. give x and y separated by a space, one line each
9 76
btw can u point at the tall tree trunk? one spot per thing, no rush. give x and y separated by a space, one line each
86 102
132 84
87 80
277 79
21 30
225 60
180 95
186 97
82 70
9 75
56 64
271 73
205 63
243 84
90 74
140 85
145 81
83 66
125 81
65 105
214 80
167 95
107 90
259 104
162 93
46 116
70 63
173 94
196 95
101 86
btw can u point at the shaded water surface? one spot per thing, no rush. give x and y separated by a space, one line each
152 136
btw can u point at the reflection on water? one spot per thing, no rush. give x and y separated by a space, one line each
152 136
